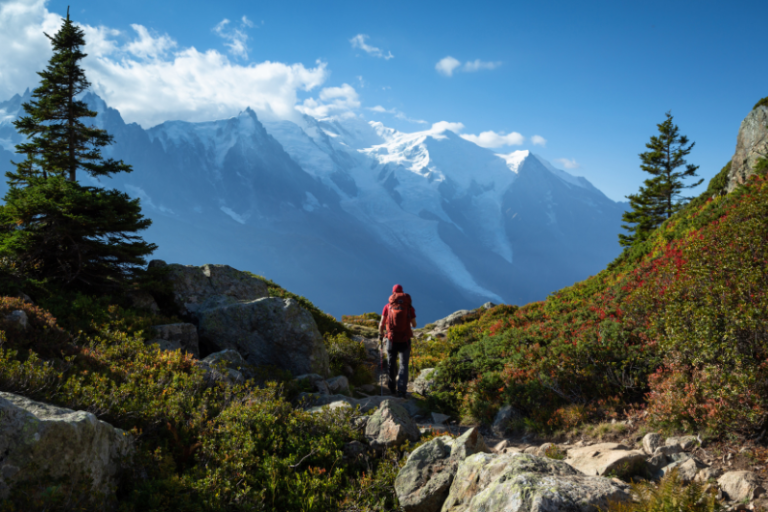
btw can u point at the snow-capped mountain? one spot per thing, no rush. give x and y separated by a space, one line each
341 209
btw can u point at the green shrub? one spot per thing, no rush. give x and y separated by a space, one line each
345 354
367 320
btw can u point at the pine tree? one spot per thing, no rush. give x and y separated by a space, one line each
52 226
660 196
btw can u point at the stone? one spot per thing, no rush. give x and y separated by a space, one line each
422 485
452 319
144 300
668 450
19 317
469 443
366 404
317 382
526 483
604 458
687 443
177 336
40 441
210 285
531 450
707 474
224 366
500 446
339 385
424 382
269 331
488 305
741 485
439 419
333 406
503 420
391 426
541 451
413 407
651 441
688 469
751 145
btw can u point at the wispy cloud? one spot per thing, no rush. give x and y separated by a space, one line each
235 35
538 140
478 65
396 113
147 46
331 101
567 163
491 139
447 66
359 42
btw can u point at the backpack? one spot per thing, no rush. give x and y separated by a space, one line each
399 318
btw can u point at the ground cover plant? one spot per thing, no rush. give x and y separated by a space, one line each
677 325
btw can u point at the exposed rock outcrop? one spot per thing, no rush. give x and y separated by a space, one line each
518 482
751 146
424 382
391 426
602 459
40 441
181 336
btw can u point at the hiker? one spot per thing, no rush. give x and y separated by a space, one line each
397 318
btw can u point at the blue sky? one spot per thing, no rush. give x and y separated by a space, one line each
590 78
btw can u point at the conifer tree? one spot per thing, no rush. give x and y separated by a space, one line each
660 196
52 226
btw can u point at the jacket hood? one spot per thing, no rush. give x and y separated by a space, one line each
397 289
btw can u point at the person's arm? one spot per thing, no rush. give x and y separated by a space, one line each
413 317
382 324
413 322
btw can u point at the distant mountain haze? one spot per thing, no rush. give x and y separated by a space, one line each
339 210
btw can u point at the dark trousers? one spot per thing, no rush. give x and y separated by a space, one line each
398 375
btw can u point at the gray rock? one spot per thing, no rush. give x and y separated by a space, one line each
271 332
145 301
339 385
686 443
669 449
707 474
652 441
413 407
366 404
606 458
224 366
524 483
439 419
391 426
452 319
488 305
741 485
425 381
177 336
333 406
422 485
687 470
40 441
211 285
502 421
542 450
317 382
469 443
19 317
751 145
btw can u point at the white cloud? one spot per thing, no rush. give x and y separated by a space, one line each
538 140
397 113
568 164
150 79
477 65
442 126
491 139
236 36
359 42
331 101
447 65
145 47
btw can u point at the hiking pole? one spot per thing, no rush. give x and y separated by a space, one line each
381 364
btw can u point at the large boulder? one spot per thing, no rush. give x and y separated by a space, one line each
225 366
751 145
269 331
519 482
452 319
422 485
741 485
179 336
602 459
210 285
40 441
391 426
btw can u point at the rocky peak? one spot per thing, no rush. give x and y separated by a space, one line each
751 145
